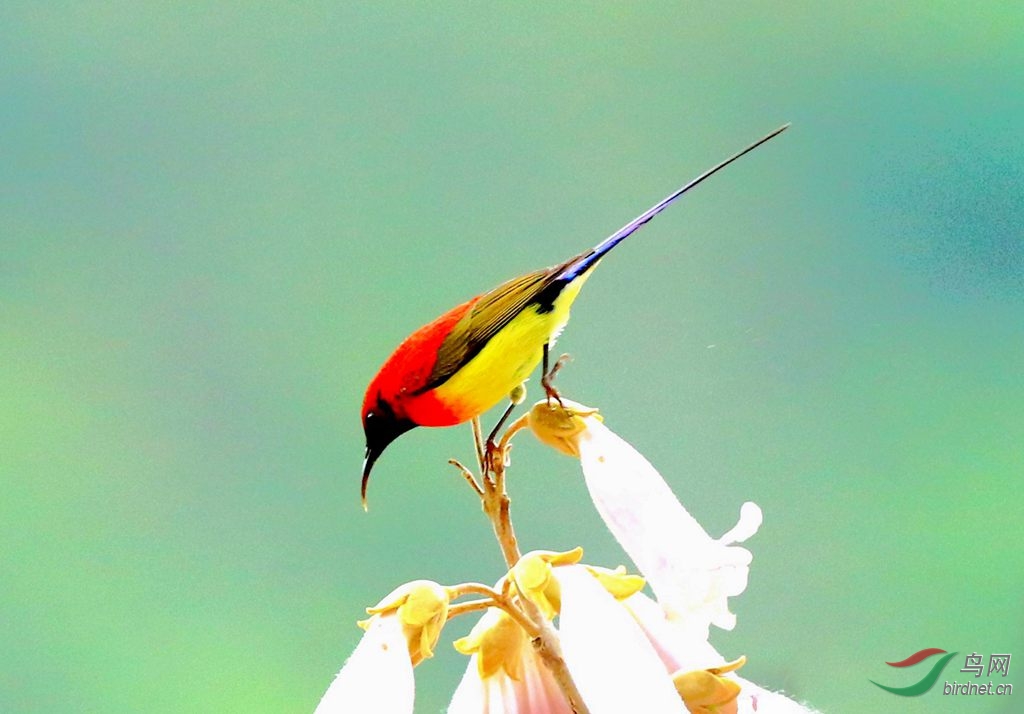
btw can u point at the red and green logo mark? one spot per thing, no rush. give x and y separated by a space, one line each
928 680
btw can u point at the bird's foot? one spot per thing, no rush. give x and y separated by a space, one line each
548 378
493 459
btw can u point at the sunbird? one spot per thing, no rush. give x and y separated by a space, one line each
478 353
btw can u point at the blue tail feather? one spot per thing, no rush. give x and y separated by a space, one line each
585 261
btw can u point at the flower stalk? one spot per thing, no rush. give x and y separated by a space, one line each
496 505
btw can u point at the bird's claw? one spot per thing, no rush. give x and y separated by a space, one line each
548 378
553 393
490 451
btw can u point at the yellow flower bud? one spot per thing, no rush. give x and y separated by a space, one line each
705 692
619 584
422 608
497 641
559 425
535 580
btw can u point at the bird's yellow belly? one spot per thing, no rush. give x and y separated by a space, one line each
508 358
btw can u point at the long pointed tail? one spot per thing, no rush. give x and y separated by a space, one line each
588 259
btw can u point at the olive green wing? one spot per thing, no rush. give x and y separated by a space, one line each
493 311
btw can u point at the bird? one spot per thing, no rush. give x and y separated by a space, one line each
478 353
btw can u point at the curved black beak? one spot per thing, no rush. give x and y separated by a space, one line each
381 427
368 460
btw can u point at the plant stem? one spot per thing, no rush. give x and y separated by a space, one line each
496 505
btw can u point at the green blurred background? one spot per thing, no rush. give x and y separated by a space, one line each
216 223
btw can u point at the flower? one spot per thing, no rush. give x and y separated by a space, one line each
680 646
684 653
402 630
691 574
615 648
377 677
505 673
613 665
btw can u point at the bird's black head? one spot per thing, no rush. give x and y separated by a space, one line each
382 426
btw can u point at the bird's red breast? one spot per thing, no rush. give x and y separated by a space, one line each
401 380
